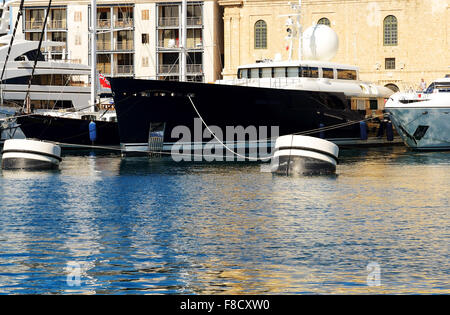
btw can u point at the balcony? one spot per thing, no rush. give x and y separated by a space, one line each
194 68
194 43
57 25
103 45
104 68
33 25
168 43
104 24
168 21
125 45
169 69
194 21
124 70
56 49
123 23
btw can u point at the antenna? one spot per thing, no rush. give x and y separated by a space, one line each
183 60
294 30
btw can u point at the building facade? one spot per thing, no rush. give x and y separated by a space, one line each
394 42
137 38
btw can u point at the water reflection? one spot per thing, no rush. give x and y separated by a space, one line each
155 226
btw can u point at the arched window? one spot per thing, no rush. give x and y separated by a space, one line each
390 27
393 87
324 21
260 35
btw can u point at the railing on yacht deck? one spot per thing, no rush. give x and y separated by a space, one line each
262 82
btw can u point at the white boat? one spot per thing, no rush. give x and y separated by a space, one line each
60 98
423 118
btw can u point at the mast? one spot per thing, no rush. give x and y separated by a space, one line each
93 53
294 30
183 40
298 8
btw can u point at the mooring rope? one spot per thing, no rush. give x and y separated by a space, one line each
220 141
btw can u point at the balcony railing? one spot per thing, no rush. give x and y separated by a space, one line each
174 43
168 43
103 45
128 45
194 21
175 21
104 68
194 44
51 25
33 25
169 69
105 23
56 49
123 23
57 24
124 69
194 68
169 21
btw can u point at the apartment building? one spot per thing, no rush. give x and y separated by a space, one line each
139 38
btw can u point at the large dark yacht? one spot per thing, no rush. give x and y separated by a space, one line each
296 96
314 97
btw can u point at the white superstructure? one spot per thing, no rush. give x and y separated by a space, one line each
308 75
55 84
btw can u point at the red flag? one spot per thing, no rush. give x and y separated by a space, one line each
104 83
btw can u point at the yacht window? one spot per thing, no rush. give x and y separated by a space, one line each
279 72
292 72
346 74
310 72
314 72
266 72
430 89
327 73
244 73
442 86
254 73
373 104
304 72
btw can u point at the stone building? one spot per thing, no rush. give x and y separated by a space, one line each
394 42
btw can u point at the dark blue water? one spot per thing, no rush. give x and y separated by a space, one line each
107 225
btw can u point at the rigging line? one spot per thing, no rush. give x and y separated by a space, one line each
223 144
27 96
114 148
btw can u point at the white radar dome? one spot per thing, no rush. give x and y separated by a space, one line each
320 42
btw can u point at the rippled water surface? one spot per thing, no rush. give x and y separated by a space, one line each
108 225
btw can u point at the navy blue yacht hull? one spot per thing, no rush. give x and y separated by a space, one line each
68 130
142 103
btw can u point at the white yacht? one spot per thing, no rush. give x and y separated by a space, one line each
55 84
60 103
423 118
